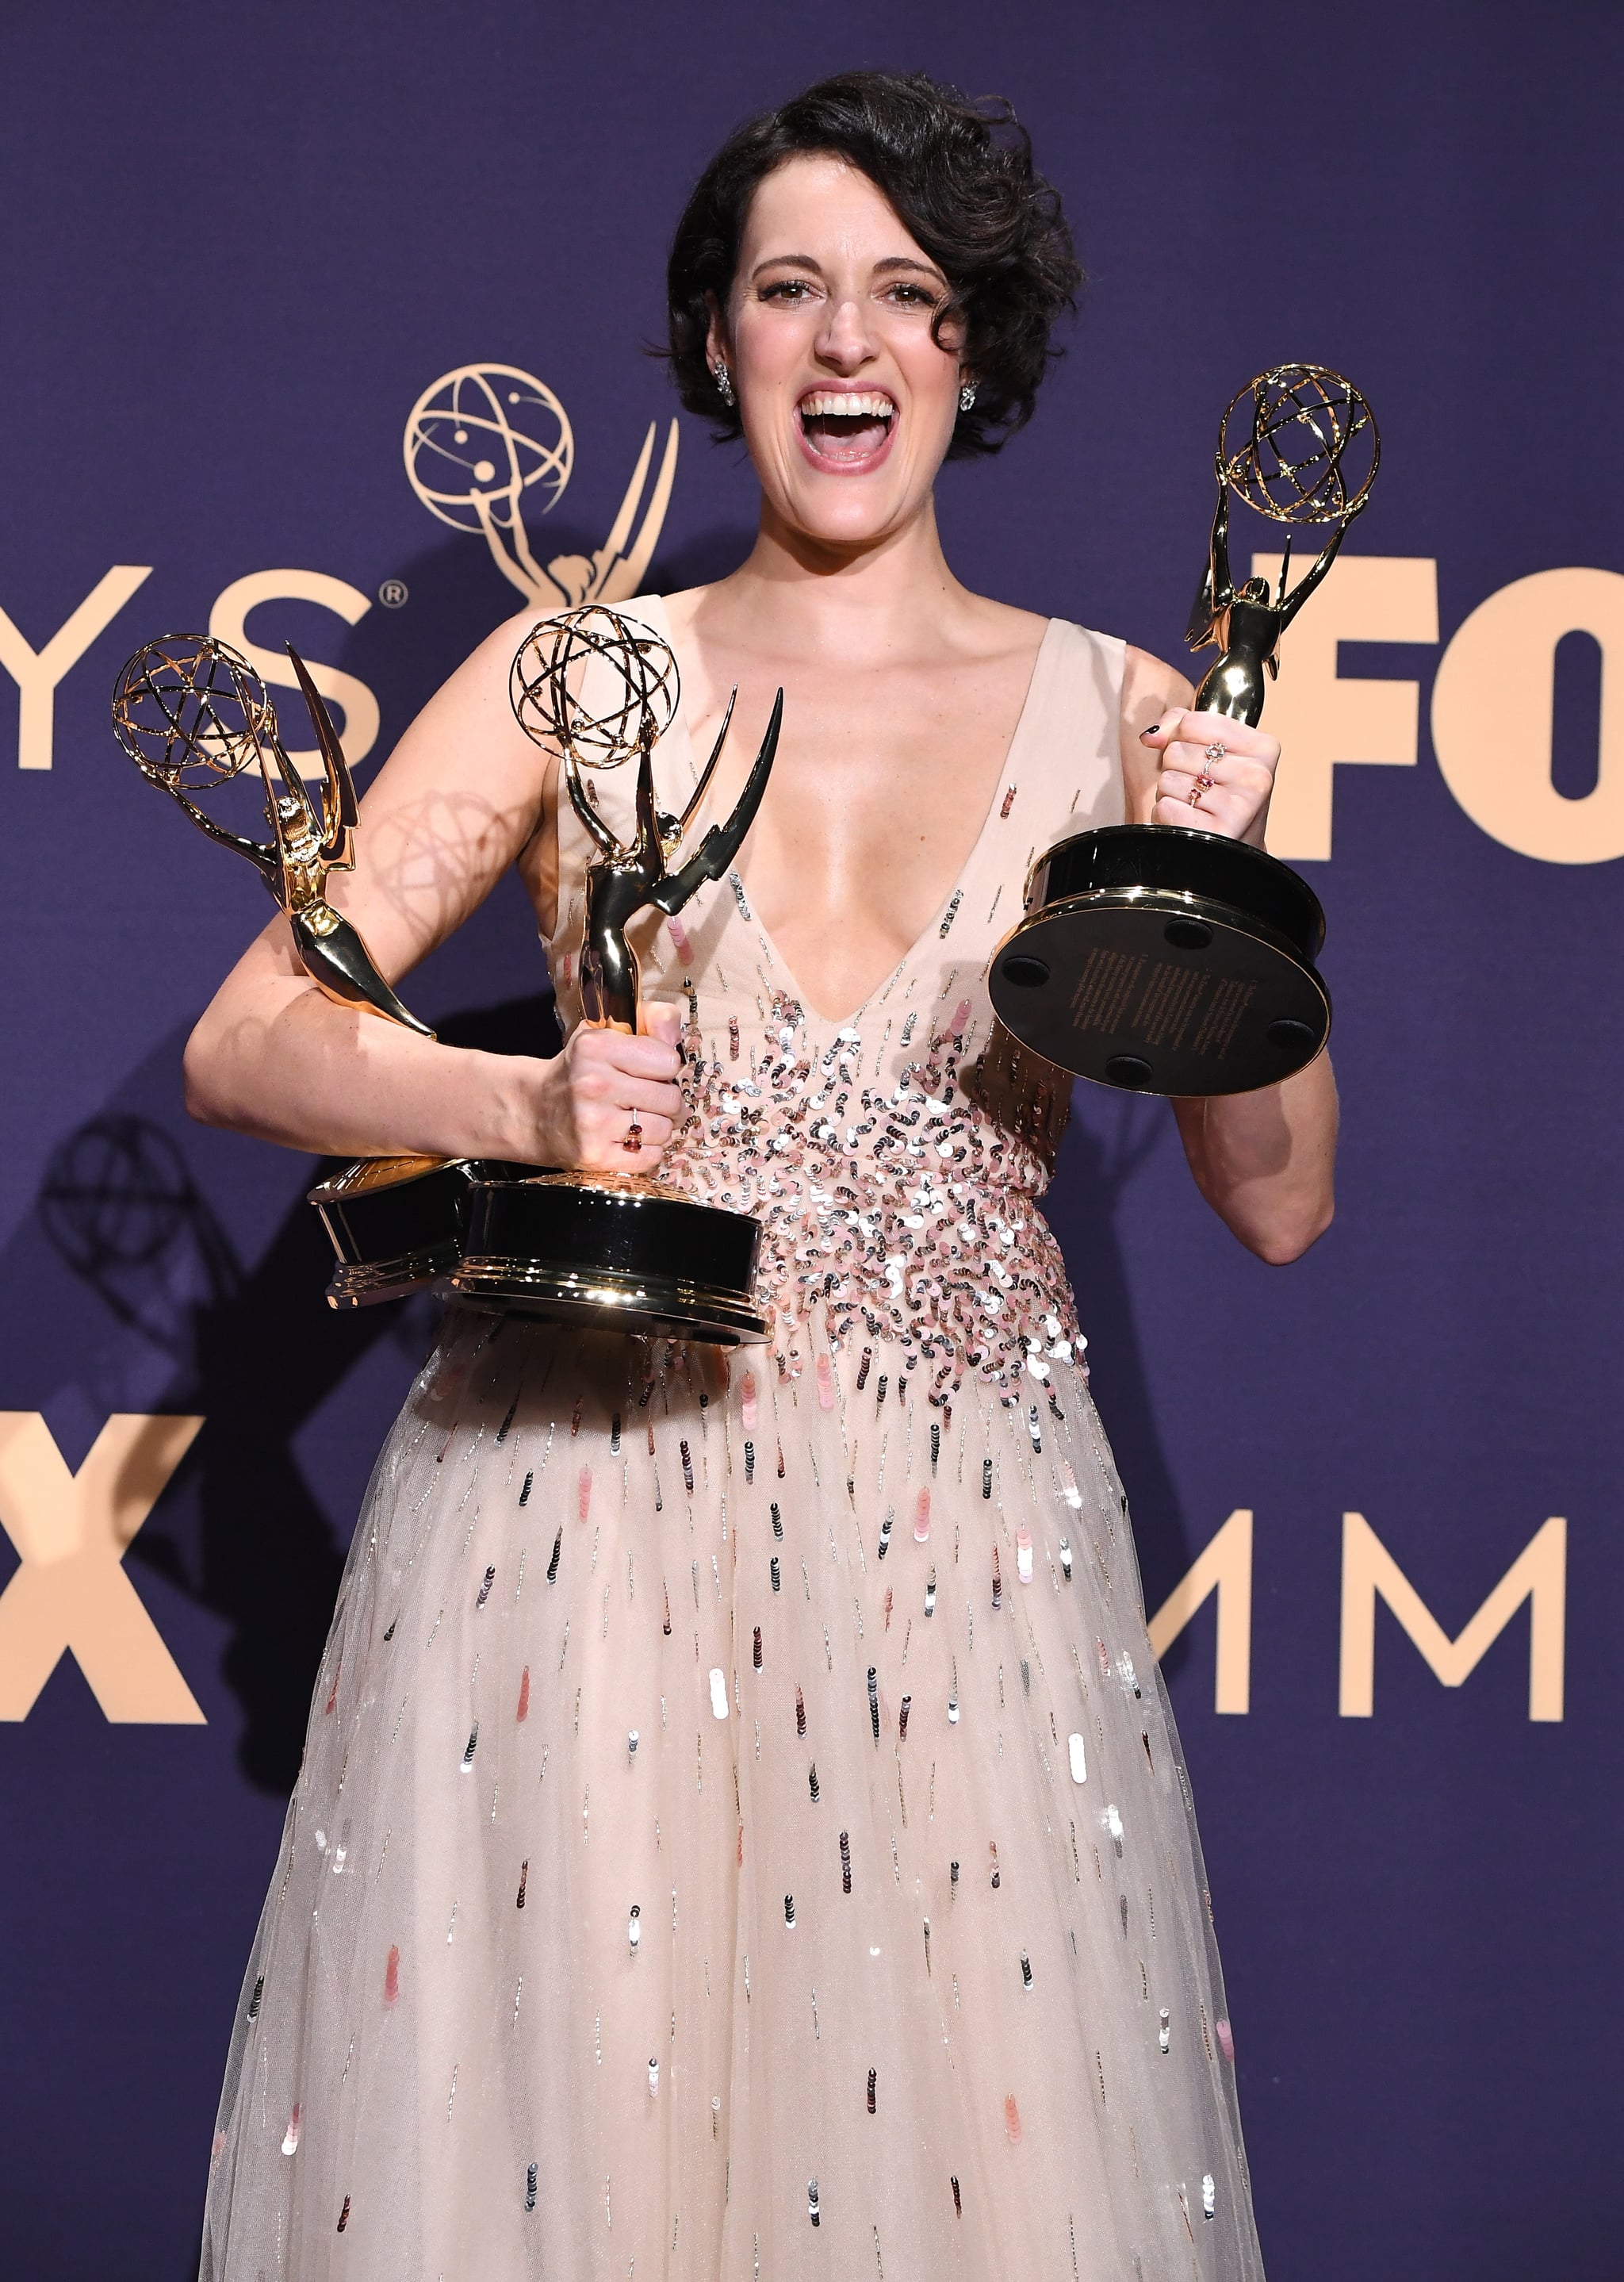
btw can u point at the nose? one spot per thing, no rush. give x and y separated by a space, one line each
843 342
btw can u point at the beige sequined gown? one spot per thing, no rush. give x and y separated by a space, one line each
742 1831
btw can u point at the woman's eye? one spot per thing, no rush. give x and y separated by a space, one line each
785 289
914 296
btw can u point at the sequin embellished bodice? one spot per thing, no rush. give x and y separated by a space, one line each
895 1159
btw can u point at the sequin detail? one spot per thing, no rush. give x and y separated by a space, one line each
910 1215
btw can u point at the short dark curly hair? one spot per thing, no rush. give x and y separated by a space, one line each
960 174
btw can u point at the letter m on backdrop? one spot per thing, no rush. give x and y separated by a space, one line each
1538 1575
72 1531
1224 1569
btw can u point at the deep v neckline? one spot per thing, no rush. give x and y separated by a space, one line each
954 886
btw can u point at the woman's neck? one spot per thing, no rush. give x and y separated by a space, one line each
799 595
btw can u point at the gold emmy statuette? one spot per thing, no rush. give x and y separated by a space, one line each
191 713
1173 961
621 1251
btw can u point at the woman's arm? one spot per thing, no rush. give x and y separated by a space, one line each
1263 1161
464 795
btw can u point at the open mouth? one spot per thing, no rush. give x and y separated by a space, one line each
847 428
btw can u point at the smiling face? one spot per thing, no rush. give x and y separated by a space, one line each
846 401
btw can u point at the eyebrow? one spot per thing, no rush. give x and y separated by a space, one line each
901 261
806 261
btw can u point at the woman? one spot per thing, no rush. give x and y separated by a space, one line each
741 1829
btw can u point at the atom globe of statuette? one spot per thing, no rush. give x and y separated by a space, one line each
546 683
1300 446
190 712
478 438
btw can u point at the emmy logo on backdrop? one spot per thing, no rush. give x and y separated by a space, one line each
192 714
477 440
1171 962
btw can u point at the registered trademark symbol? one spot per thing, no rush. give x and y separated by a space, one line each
392 594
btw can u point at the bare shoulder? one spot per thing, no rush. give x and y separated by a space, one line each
466 737
1150 689
1149 686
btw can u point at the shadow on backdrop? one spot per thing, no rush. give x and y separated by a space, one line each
1113 1139
255 1352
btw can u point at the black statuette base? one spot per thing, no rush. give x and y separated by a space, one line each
620 1254
396 1235
1165 961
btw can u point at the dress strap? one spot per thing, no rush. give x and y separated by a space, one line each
1073 757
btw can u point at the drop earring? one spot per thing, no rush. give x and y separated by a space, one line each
723 380
967 397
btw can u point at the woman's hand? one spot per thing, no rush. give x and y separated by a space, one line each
606 1089
1216 774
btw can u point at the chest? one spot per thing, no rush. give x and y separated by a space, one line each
902 812
883 780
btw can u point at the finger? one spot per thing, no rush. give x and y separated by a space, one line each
1249 782
618 1050
1249 778
652 1131
1204 792
1162 733
1168 810
630 1097
1201 731
600 1102
1217 817
1239 739
661 1019
1182 777
609 1150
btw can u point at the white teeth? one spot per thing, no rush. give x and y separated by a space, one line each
847 404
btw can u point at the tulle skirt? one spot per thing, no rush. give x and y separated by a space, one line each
742 1833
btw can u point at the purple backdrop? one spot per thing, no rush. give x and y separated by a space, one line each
235 254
